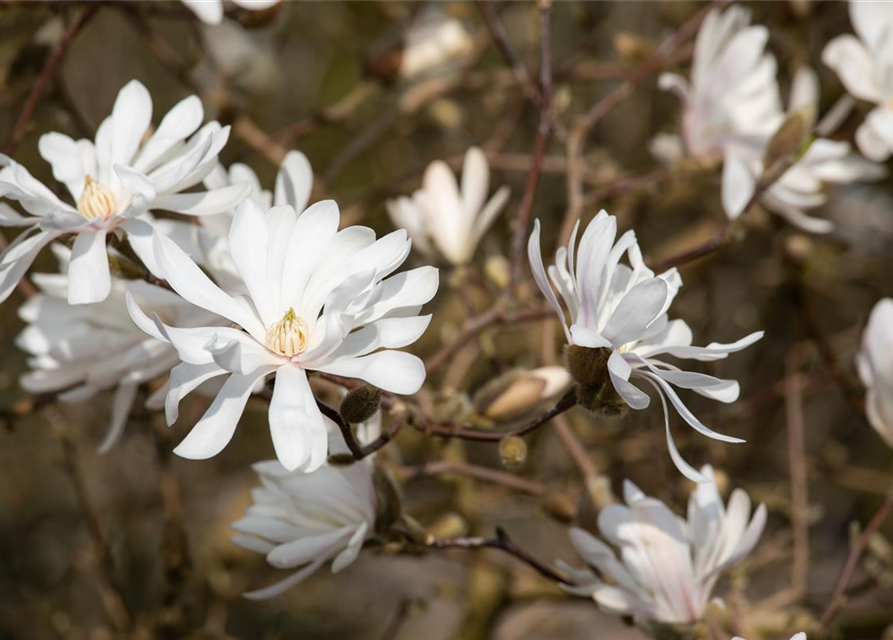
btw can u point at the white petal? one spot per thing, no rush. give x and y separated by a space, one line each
294 182
738 185
204 203
216 427
283 585
121 406
636 310
89 279
131 116
854 66
296 424
539 275
393 371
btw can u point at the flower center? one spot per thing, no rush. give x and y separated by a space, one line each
288 337
97 202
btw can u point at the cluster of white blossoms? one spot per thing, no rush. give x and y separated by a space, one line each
260 291
732 109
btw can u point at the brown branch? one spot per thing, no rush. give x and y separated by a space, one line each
449 431
49 68
503 543
358 450
496 315
852 560
486 474
539 146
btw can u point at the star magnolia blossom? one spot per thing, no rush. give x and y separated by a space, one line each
306 519
731 111
211 11
667 566
112 182
875 363
732 101
802 186
623 309
82 350
453 220
865 67
316 299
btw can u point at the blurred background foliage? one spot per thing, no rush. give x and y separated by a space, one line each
322 77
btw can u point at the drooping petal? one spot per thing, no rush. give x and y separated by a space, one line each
296 424
89 279
216 427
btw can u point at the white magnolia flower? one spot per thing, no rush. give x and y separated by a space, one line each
796 636
433 39
865 67
113 182
316 299
732 101
306 519
623 309
803 186
441 217
81 350
211 11
875 363
731 111
667 566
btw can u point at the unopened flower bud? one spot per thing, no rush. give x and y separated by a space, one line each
515 393
588 366
497 270
512 452
360 404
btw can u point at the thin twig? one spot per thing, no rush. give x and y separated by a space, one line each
522 220
49 68
450 431
486 474
503 543
495 315
798 473
358 450
852 560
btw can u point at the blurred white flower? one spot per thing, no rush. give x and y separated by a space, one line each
315 299
865 67
81 350
623 310
803 185
302 520
875 363
211 11
667 566
439 217
732 101
112 183
731 111
433 40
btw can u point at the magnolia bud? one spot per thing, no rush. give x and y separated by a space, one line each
512 452
360 404
586 365
515 393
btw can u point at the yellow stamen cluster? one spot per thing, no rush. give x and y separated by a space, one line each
97 202
288 337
